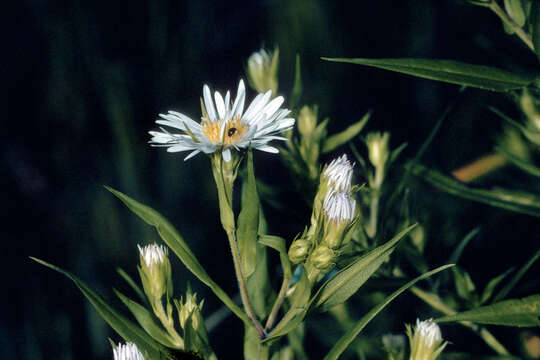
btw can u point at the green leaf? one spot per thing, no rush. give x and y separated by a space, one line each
348 280
298 310
519 202
467 356
535 27
449 71
514 8
125 328
175 241
456 254
248 220
146 320
277 243
351 334
132 284
332 142
464 285
296 92
258 284
520 163
515 312
515 279
492 284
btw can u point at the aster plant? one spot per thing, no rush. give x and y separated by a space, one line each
357 215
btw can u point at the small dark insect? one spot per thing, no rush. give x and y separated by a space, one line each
231 132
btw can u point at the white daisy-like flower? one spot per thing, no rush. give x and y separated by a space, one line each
426 341
339 207
339 174
153 254
225 125
127 351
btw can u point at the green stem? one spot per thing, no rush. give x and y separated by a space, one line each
168 323
242 285
504 17
436 302
264 352
278 302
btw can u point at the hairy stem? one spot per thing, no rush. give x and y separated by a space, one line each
242 285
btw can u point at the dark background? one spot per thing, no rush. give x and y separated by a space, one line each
84 81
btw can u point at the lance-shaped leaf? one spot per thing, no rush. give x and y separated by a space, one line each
348 280
351 334
515 201
535 26
517 276
248 220
277 243
146 320
296 92
515 312
332 142
519 162
449 71
175 241
125 328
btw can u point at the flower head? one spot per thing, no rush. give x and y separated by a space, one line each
339 207
225 125
127 351
153 254
155 271
339 173
426 341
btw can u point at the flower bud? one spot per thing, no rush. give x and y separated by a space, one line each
394 345
339 211
190 308
299 250
155 271
307 120
425 341
127 351
323 257
378 151
262 70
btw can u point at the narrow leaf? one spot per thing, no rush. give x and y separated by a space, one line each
535 25
146 320
125 328
351 334
515 312
132 284
277 243
248 220
520 202
336 140
515 279
348 280
449 71
296 92
520 163
492 284
175 241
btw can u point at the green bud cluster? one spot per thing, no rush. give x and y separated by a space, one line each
189 309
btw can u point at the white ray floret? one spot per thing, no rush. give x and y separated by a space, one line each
153 254
225 125
339 173
127 351
429 332
339 207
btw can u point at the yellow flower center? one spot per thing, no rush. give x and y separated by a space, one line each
234 131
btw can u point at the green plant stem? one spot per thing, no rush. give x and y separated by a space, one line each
504 17
264 352
277 303
436 302
242 285
168 323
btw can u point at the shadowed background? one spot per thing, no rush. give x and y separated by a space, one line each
84 82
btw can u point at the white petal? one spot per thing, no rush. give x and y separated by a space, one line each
238 106
228 103
220 105
257 105
226 155
192 154
179 147
208 103
267 148
273 106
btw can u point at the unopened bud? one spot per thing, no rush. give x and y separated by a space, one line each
377 145
339 210
155 270
299 250
323 257
188 308
307 120
394 345
127 351
425 341
262 70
